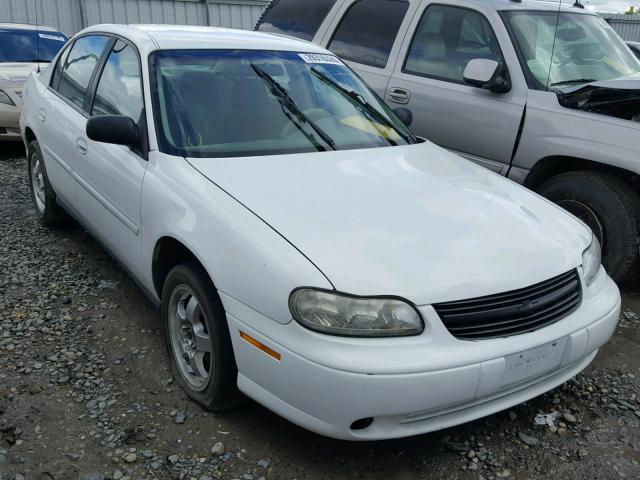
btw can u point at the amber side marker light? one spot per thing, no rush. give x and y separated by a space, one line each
260 346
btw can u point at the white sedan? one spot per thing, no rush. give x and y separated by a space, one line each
304 247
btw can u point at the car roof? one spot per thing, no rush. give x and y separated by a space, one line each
178 37
566 6
26 26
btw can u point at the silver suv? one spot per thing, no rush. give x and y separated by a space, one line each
548 97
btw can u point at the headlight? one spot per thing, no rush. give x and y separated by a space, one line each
591 259
4 98
340 314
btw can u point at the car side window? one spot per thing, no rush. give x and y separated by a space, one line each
119 89
446 39
368 30
300 19
55 76
79 66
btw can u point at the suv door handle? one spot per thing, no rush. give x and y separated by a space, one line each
81 145
399 95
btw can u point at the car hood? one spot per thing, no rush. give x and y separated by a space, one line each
14 74
619 97
629 82
414 221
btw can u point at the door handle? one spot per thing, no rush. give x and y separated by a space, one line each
399 95
42 115
81 145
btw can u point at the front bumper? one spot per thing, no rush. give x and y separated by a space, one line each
417 384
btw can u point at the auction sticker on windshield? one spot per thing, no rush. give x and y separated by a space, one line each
52 37
320 58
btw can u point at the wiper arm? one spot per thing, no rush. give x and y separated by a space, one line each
285 99
363 105
577 80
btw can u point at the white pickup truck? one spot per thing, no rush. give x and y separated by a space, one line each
546 95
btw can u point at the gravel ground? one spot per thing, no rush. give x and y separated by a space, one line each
86 393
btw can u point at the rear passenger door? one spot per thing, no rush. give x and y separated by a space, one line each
428 79
367 34
63 112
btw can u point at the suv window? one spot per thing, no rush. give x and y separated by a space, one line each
79 66
300 19
367 31
446 39
119 89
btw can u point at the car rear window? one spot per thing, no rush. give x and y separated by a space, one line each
368 30
297 18
19 45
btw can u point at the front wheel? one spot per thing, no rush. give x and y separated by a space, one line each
197 338
609 207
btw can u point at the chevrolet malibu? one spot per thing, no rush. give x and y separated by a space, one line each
304 248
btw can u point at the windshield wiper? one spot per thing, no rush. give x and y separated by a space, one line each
361 103
286 101
577 80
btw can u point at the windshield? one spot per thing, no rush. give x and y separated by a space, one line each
217 103
586 48
29 45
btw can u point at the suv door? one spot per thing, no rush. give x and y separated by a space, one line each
110 176
62 114
428 78
364 33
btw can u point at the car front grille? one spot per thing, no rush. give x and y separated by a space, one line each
515 312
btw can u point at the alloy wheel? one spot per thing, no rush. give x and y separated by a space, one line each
190 341
37 182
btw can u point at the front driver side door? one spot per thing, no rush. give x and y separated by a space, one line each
110 176
428 78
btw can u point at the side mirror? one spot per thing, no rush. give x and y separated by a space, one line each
116 129
487 74
405 115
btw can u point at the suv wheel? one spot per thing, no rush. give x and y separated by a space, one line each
609 207
42 194
197 338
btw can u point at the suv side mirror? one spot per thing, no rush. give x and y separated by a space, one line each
116 129
487 74
405 115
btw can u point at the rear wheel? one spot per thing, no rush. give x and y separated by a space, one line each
42 194
197 338
609 207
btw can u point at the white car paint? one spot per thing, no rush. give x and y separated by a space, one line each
413 221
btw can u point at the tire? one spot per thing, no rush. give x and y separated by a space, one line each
610 207
187 331
42 195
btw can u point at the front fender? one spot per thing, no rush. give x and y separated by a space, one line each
245 258
551 130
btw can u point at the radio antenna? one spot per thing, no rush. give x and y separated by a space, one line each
37 36
553 47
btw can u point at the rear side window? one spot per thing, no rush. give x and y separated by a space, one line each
79 66
368 30
297 18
